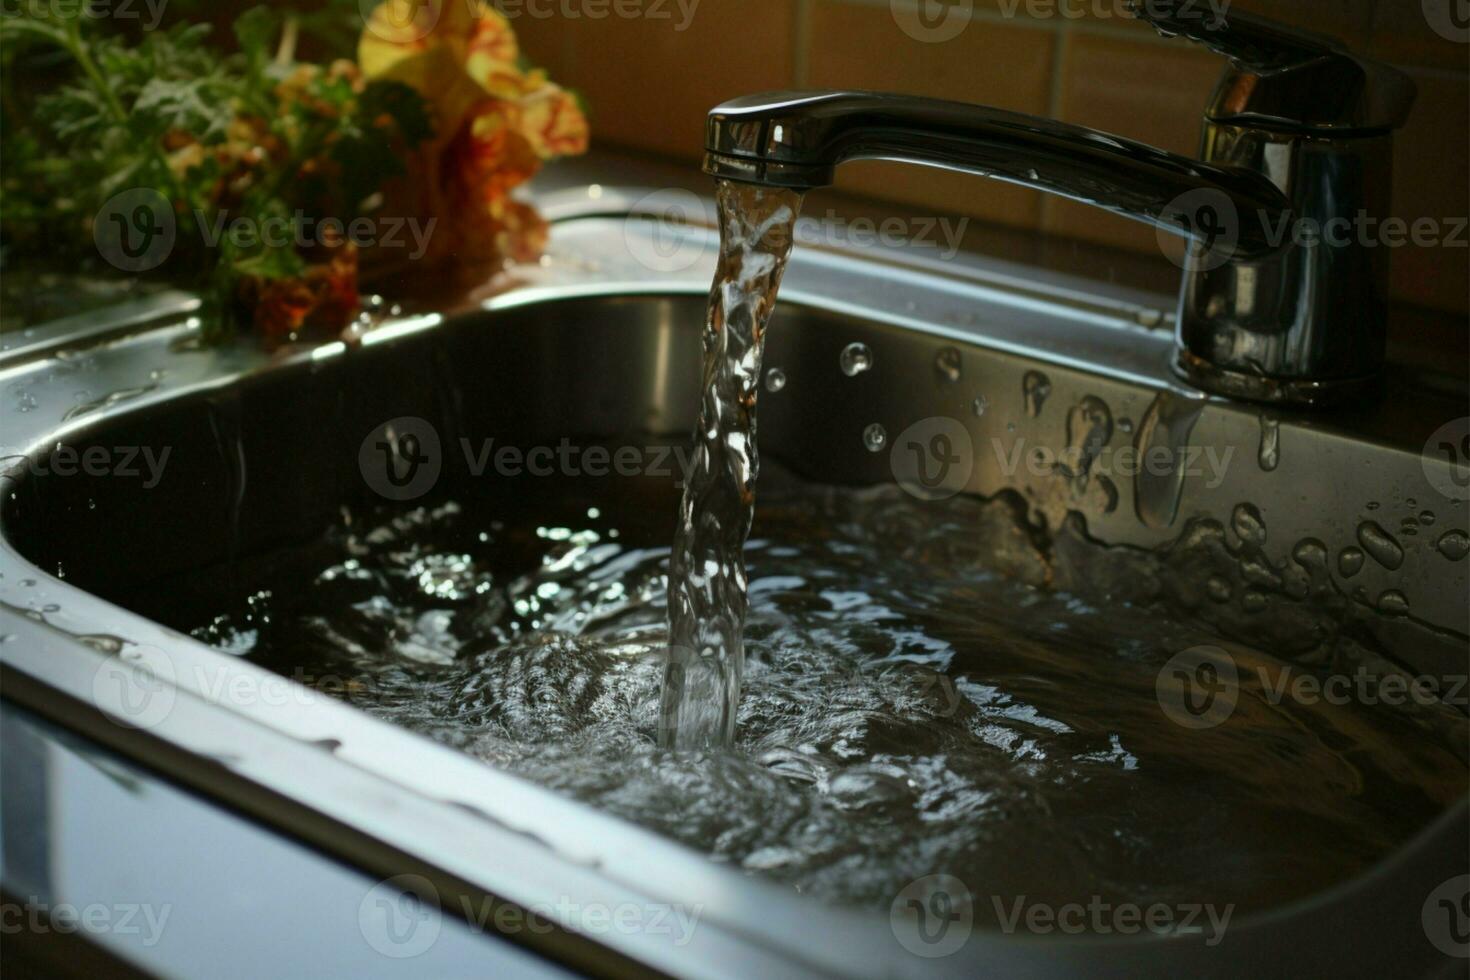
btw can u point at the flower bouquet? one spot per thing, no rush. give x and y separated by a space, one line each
272 184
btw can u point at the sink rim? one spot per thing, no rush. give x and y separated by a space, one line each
55 673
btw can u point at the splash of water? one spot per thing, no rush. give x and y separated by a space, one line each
707 582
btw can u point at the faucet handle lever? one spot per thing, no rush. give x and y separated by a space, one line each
1282 77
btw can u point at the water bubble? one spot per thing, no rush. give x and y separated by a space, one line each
947 364
979 405
875 437
1426 517
1454 545
856 358
775 379
1035 387
1350 562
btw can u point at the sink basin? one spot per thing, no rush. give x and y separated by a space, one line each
249 452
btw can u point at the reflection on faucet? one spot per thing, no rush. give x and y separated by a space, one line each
1298 136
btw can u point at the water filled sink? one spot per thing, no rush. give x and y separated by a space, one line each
164 498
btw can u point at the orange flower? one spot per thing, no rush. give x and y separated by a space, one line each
496 124
325 296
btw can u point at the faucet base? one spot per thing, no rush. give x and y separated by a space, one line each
1275 391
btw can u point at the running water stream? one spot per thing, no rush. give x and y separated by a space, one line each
707 582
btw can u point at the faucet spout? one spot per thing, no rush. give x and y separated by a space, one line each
797 140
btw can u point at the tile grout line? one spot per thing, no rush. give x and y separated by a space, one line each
801 44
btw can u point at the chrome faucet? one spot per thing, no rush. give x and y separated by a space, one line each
1283 300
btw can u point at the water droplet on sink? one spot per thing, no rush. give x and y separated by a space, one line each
1089 428
979 405
1163 434
1269 455
875 437
1454 545
1426 517
856 358
1125 425
1035 387
1350 562
1393 602
947 363
775 379
1381 545
1248 525
27 402
1372 505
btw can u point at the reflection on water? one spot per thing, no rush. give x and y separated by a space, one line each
905 711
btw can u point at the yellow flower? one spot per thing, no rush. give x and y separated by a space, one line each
495 122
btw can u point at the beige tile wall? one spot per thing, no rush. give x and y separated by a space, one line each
649 84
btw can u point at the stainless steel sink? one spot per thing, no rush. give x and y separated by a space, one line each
601 341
